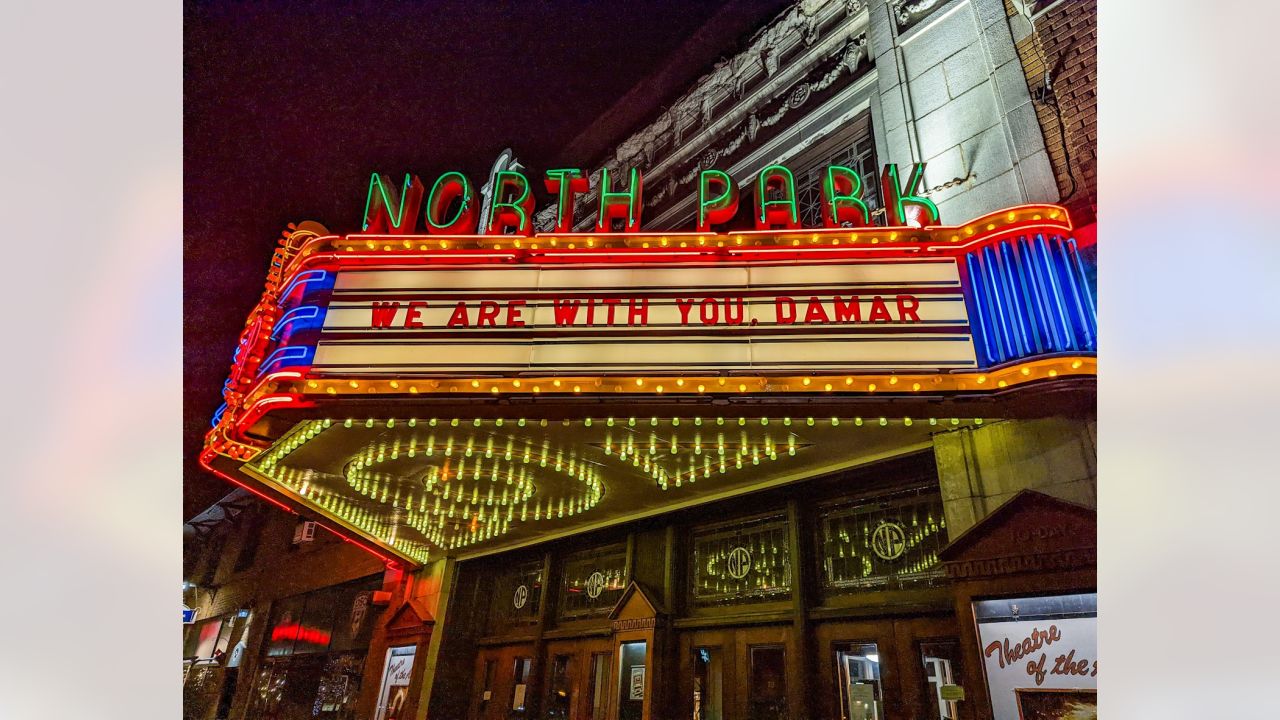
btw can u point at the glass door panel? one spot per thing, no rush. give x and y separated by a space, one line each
520 687
767 689
560 691
942 676
708 683
858 678
598 705
631 680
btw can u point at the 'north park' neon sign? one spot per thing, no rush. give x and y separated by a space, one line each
451 206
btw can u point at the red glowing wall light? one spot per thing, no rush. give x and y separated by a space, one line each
295 631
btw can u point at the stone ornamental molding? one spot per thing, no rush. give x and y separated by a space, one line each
1041 562
693 117
909 12
629 624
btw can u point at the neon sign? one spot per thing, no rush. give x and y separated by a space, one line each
452 205
450 297
816 314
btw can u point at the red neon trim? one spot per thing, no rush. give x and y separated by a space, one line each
259 408
204 462
346 538
336 261
204 457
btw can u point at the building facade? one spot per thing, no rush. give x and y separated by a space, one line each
664 535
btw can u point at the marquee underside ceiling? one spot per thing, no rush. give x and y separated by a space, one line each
422 488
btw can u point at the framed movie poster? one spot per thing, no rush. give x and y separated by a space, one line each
1057 703
637 683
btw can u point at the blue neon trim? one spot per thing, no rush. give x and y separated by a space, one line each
1091 304
1006 334
1047 298
975 287
299 314
283 355
1068 272
1043 333
993 310
1022 286
1011 299
1035 316
1047 256
302 278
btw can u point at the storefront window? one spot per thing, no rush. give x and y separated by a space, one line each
316 650
339 686
200 690
593 582
708 687
206 634
885 542
1040 655
517 595
858 676
767 693
286 618
741 562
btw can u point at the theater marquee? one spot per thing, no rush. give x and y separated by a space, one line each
426 316
697 317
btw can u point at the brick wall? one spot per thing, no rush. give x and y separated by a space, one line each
1065 40
280 568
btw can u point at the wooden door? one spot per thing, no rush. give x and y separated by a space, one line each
885 668
742 673
576 679
500 688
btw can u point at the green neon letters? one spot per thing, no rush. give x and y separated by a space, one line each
449 187
897 198
776 212
842 198
386 211
453 204
713 210
625 204
514 212
565 183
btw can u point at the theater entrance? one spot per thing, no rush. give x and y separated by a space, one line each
729 673
889 668
501 690
577 678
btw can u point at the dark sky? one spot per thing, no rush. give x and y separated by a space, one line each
290 105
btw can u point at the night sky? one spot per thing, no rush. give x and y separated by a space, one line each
289 106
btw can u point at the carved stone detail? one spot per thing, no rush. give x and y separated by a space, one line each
799 94
696 109
635 624
1040 562
909 12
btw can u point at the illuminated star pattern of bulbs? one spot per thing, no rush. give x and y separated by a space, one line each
420 486
675 454
455 485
